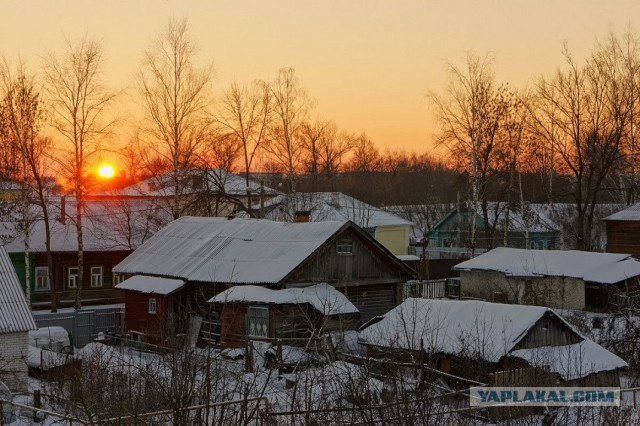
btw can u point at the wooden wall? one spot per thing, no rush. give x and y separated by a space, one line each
106 294
548 331
623 237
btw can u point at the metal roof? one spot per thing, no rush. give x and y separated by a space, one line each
604 268
147 284
631 213
15 314
240 251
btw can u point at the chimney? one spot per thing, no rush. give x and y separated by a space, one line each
63 210
302 216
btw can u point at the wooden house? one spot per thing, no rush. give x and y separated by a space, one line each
567 279
16 321
213 254
474 339
623 231
104 247
293 314
451 236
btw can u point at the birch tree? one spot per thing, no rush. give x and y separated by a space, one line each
175 96
469 115
80 112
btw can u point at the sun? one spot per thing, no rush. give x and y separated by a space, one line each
106 171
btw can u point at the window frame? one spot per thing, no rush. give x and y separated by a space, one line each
152 302
101 276
341 245
75 277
263 317
37 276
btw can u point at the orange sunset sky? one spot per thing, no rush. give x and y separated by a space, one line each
368 64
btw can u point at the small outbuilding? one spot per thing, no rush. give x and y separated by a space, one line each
253 312
565 279
474 339
16 321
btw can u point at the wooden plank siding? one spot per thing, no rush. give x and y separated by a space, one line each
106 294
623 237
548 331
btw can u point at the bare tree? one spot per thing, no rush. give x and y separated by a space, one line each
175 96
583 114
79 106
244 115
290 108
470 115
23 107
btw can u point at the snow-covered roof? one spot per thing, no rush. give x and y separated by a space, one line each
107 226
604 268
474 328
333 206
631 213
323 297
572 361
214 180
148 284
530 218
239 251
15 314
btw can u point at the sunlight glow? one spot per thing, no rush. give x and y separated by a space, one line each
106 171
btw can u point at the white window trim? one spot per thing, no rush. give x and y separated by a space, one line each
46 276
75 276
101 276
152 303
264 309
116 278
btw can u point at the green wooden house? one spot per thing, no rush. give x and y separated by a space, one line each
528 228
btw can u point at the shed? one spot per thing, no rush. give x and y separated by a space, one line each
16 321
568 279
490 337
294 313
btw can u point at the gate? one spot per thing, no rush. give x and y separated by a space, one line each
84 325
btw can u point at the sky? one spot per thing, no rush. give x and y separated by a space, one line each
367 64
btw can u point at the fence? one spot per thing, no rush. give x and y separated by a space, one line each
432 289
84 325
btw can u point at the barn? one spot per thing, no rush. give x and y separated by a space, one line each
213 254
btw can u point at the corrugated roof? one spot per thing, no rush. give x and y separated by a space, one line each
479 329
107 226
147 284
605 268
334 206
15 314
240 251
631 213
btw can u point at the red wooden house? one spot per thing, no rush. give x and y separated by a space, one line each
213 254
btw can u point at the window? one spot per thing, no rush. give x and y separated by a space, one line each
72 276
345 247
153 305
258 321
117 279
96 276
42 278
